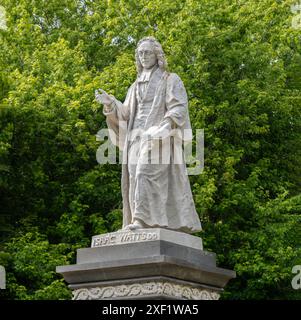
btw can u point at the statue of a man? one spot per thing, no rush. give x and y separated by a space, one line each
154 194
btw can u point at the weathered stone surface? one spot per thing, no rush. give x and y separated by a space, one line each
146 267
144 250
168 263
156 193
150 288
144 235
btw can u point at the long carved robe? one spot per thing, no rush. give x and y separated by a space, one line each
162 194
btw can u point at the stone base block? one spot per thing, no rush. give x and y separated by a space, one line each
145 264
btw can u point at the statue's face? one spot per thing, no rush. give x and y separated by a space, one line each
146 55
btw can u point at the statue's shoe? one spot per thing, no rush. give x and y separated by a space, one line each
133 226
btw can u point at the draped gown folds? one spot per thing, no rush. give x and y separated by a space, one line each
158 195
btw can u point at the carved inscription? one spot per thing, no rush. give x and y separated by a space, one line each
123 237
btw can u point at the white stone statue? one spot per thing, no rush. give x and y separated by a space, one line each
154 194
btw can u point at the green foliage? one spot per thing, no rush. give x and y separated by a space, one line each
240 62
31 263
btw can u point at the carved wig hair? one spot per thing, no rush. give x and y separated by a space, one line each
157 50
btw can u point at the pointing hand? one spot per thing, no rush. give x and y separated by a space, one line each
102 97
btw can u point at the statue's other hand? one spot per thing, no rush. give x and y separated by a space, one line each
102 97
163 131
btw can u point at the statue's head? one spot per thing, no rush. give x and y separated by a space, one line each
148 53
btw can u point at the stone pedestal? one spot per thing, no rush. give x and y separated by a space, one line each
145 264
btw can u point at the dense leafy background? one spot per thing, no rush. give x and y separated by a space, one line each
241 64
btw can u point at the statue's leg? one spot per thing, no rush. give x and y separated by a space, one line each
133 154
133 157
151 187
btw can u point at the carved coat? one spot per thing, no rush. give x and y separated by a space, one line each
162 192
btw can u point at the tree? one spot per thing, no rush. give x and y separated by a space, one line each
240 62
